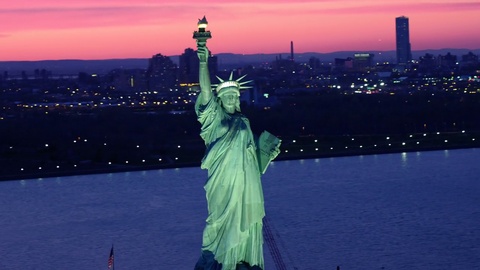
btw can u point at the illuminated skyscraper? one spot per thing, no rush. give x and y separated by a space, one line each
404 52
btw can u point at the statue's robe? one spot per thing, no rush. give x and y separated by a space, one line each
233 231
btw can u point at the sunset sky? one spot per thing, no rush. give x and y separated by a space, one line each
109 29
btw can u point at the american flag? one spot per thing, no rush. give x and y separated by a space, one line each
110 259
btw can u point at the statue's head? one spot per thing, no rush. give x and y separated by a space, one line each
230 101
228 92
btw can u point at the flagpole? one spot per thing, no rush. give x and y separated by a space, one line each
111 260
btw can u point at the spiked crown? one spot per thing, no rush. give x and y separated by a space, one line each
230 85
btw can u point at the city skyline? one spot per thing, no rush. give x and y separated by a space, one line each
118 29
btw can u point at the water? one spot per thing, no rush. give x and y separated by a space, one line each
395 211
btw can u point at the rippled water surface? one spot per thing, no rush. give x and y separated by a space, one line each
394 211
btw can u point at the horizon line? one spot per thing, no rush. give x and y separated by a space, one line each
241 54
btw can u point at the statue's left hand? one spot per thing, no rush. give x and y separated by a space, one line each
275 152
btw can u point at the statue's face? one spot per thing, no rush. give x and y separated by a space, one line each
229 100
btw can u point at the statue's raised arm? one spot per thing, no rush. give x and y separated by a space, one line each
204 75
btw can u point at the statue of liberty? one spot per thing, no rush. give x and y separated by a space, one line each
232 238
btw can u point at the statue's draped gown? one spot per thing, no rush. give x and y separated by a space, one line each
233 231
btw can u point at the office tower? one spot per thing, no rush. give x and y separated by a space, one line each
363 61
404 53
188 67
161 74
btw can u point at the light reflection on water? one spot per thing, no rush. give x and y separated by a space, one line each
417 210
404 159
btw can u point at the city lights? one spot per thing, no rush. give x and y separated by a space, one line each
344 100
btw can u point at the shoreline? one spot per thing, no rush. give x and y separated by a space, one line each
116 168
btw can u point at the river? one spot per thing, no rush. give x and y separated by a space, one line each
416 210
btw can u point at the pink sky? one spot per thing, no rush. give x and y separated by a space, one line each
106 29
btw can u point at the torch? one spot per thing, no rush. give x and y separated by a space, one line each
202 35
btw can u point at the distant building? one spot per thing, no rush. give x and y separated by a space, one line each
127 80
404 52
469 61
427 63
314 63
188 67
447 62
283 65
363 61
343 64
161 74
